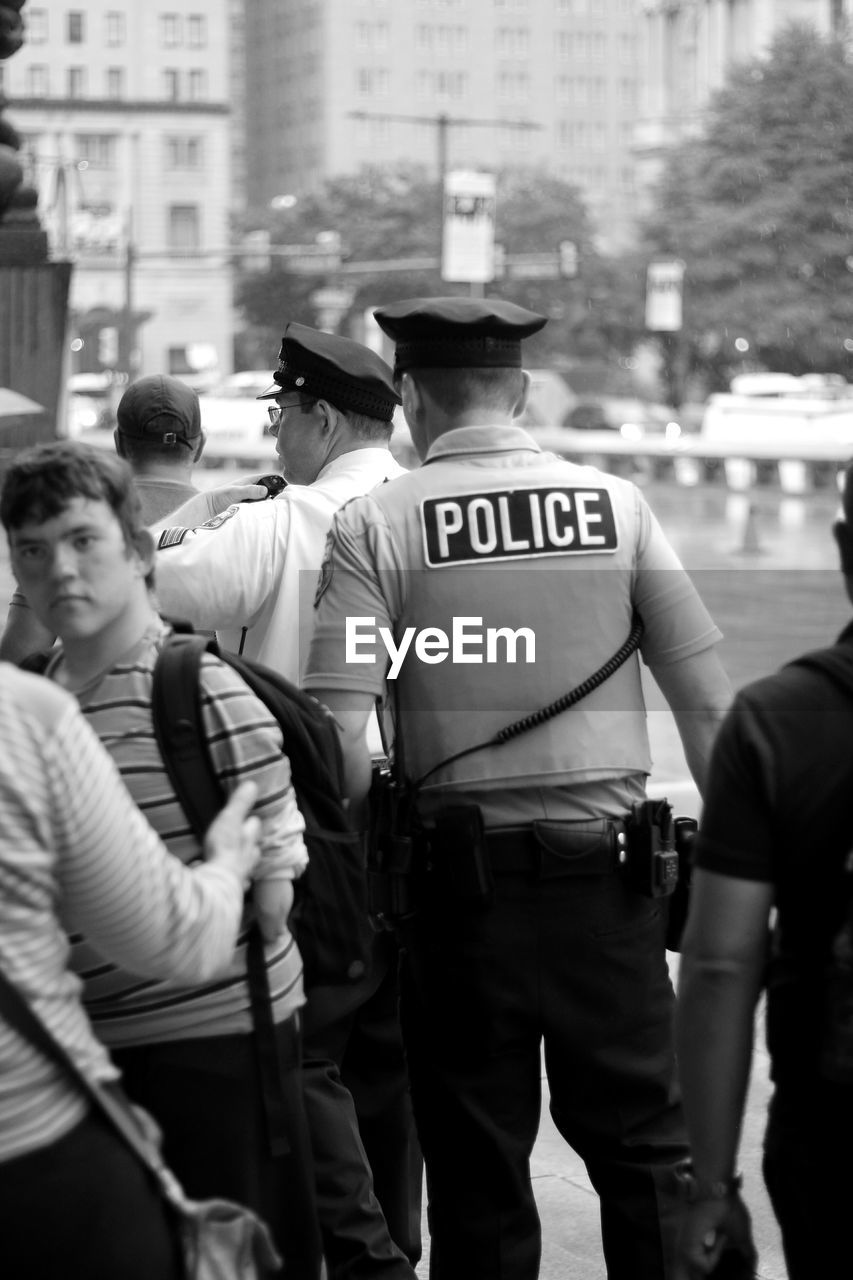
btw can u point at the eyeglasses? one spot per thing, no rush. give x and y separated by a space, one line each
276 412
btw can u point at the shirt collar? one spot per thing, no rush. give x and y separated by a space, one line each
464 440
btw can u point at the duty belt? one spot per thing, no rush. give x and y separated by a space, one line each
549 849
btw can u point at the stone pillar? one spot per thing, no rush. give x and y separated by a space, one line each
33 291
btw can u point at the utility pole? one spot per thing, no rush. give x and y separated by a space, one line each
442 123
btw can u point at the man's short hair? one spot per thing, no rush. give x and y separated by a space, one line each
458 390
41 482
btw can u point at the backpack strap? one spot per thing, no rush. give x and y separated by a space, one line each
179 729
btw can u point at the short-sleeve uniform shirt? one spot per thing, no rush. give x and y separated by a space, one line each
509 576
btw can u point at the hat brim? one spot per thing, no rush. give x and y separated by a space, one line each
271 392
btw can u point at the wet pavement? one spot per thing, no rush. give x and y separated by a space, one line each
765 564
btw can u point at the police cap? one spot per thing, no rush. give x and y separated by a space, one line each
326 367
457 333
160 409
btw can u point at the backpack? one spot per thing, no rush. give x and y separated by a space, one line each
329 918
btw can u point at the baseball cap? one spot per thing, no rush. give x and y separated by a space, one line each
160 409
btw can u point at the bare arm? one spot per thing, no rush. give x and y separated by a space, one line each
352 713
23 634
722 971
698 693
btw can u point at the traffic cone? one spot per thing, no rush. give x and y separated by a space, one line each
751 546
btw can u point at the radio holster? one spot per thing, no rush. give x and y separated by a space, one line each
658 862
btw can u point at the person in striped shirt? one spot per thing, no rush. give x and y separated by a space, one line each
75 852
188 1053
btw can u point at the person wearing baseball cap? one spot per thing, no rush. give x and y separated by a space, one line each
251 573
159 432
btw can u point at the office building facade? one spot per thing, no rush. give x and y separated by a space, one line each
334 85
124 112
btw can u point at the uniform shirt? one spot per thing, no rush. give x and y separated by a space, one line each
250 573
75 853
538 564
244 742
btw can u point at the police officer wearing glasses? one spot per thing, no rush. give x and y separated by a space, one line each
485 585
250 574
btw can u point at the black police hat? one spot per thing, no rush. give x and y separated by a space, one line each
457 333
326 367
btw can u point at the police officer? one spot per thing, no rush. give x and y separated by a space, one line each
486 584
247 572
250 574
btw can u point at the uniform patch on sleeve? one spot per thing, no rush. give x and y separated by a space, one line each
172 537
512 524
217 521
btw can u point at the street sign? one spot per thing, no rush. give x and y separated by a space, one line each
468 238
664 282
331 305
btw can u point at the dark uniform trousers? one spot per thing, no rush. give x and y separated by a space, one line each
570 955
367 1161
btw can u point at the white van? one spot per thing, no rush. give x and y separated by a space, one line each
772 415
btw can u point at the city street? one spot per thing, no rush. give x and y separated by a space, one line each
765 564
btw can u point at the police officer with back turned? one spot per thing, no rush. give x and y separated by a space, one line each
472 593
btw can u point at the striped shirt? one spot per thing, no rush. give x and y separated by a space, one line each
76 853
245 743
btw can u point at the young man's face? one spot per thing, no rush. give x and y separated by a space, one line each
75 569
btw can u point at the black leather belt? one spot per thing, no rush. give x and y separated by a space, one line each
550 849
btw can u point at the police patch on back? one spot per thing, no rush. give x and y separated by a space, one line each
510 524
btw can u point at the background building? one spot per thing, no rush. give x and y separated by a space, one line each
124 110
687 48
332 85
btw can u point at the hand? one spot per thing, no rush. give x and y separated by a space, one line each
272 900
233 838
710 1228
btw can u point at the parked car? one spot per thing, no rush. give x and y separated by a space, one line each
234 420
633 418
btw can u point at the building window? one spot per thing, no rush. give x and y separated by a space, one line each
373 82
170 30
38 84
36 26
196 31
115 82
183 153
512 42
75 30
183 228
198 86
76 82
171 85
514 86
97 149
115 29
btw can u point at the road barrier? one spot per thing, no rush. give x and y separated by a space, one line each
689 461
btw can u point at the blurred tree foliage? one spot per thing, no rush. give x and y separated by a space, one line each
760 208
391 213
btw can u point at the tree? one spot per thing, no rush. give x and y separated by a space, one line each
395 213
760 208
